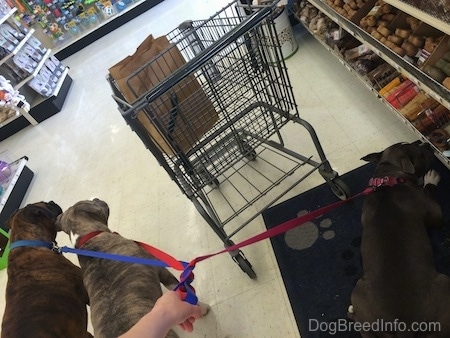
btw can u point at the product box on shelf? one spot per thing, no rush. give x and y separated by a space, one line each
437 65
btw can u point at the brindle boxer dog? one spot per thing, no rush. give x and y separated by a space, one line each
400 285
45 296
120 293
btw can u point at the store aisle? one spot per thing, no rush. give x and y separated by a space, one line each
88 151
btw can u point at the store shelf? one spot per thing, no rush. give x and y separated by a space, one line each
422 80
47 67
18 47
103 28
35 72
432 20
19 112
364 81
15 188
8 15
10 119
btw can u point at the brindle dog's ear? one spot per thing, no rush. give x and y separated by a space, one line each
9 221
40 210
373 157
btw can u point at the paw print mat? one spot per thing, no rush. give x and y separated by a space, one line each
320 261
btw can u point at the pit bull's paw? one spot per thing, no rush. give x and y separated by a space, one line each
431 177
204 307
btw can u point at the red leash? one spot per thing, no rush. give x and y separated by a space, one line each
283 227
185 289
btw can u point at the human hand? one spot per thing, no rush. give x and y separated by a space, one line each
177 311
169 310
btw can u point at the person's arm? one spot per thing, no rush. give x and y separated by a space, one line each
169 310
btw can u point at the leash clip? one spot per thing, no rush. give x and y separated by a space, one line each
55 248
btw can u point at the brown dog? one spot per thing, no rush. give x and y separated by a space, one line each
45 296
120 293
400 293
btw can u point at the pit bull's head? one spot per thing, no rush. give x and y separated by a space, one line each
409 158
84 217
34 221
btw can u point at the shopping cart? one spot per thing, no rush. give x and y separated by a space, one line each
221 142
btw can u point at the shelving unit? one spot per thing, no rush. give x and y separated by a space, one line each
433 21
15 188
91 34
41 107
433 88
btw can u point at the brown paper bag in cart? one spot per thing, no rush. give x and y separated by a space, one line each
194 115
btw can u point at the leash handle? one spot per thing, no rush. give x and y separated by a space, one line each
184 287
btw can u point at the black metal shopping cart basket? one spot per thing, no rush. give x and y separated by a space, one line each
210 107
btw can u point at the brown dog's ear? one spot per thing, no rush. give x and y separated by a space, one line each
373 157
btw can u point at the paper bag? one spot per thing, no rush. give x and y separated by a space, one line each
180 116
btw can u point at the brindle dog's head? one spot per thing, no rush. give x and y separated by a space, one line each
408 158
84 217
34 221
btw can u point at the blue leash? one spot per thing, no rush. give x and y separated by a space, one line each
186 291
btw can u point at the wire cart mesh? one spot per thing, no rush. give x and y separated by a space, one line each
210 107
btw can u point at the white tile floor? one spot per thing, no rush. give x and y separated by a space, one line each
88 151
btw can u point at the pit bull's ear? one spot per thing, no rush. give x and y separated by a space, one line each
407 165
103 206
373 157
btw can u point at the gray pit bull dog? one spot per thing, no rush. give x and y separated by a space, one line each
45 295
120 293
400 288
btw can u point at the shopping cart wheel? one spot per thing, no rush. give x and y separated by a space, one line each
208 177
339 188
244 264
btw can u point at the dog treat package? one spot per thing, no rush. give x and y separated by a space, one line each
177 118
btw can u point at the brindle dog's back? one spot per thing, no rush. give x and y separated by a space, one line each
120 293
45 296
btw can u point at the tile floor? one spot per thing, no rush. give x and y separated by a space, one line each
88 151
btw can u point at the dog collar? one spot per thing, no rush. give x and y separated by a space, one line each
34 243
82 240
386 181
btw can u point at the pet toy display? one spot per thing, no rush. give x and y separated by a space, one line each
61 20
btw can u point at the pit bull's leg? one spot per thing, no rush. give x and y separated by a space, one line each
435 218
